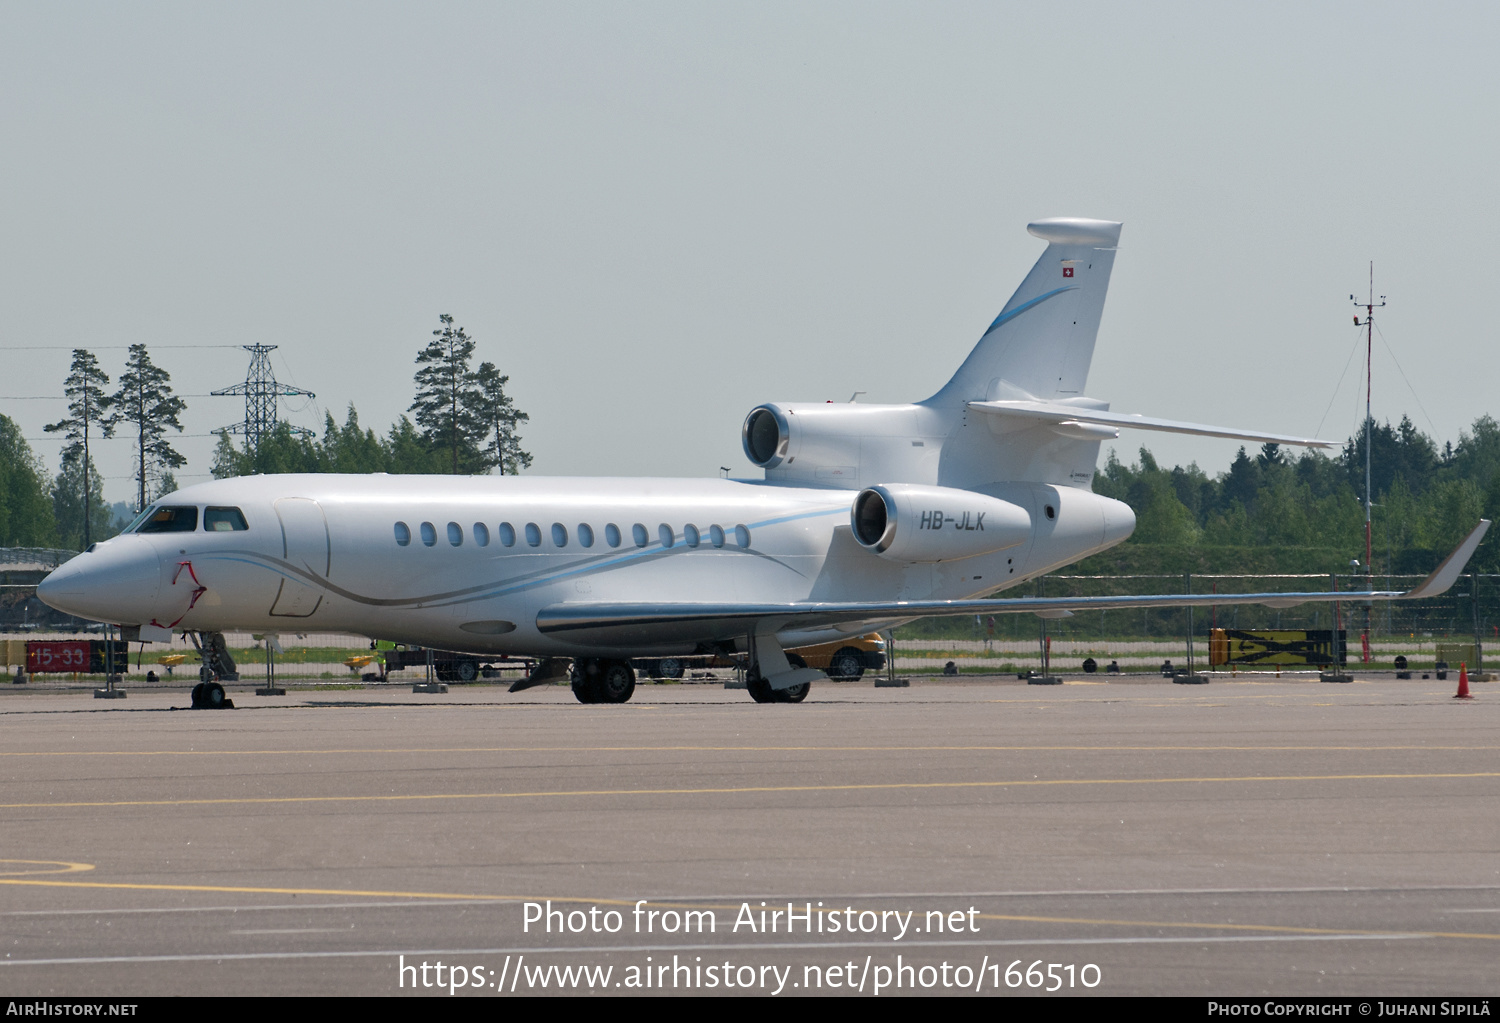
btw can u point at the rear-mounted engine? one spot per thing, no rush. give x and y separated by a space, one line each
914 523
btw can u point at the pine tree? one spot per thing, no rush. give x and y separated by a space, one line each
448 402
145 401
500 414
87 405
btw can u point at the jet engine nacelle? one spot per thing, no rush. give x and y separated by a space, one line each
914 523
844 444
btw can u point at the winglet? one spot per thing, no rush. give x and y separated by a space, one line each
1447 573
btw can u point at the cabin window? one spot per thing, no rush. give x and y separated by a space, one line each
223 520
481 534
664 534
716 535
639 535
559 535
455 534
403 534
507 534
174 519
690 535
612 535
742 537
429 534
533 534
585 534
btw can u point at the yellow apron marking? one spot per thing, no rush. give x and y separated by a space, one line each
42 867
729 907
748 789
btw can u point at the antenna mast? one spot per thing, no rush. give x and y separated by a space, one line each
261 391
1369 324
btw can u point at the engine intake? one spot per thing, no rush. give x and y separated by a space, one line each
766 436
913 523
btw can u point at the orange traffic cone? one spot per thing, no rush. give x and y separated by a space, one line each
1463 683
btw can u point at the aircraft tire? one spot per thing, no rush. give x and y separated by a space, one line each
759 689
615 682
796 694
198 695
583 685
669 667
213 696
466 671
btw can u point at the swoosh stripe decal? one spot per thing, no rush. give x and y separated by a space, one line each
586 566
1018 310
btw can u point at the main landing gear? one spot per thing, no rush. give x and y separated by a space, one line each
761 692
597 680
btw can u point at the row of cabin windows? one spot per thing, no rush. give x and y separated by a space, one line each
692 536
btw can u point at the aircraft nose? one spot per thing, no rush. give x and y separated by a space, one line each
116 582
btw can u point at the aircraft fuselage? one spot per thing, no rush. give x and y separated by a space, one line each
467 562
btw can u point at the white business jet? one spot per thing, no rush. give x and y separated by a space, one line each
868 516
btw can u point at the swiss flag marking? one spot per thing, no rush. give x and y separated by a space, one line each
1067 271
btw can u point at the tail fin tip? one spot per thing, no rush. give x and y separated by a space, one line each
1076 231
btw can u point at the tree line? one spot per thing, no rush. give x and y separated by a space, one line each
1305 513
465 423
69 510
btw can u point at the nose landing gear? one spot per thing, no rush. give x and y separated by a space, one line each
210 696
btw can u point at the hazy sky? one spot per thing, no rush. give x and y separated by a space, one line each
654 215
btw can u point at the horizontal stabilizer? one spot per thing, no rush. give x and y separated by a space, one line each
1054 413
602 622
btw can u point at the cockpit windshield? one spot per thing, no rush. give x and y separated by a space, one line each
223 520
170 519
135 522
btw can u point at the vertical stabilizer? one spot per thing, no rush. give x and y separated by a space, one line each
1038 348
1042 342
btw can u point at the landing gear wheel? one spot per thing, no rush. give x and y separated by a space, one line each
583 683
796 694
213 696
198 695
615 682
466 671
669 667
847 665
796 661
760 690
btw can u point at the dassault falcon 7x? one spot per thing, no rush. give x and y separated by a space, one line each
869 515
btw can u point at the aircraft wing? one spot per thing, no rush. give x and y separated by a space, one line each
622 622
1051 413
